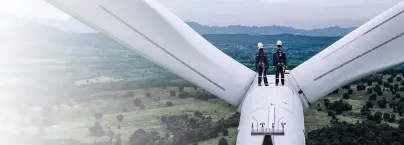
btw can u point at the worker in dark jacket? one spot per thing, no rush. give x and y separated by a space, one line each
279 64
261 64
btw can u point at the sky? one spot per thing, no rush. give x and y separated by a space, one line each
306 14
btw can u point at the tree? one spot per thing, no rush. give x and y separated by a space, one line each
338 111
172 93
382 103
330 113
154 136
369 91
346 87
398 96
369 82
377 88
396 87
365 111
167 135
111 135
223 141
370 116
380 82
118 140
390 79
369 104
326 102
142 140
138 138
137 102
360 87
180 88
386 116
120 117
392 118
386 85
98 116
350 91
129 94
378 117
179 138
169 104
225 132
355 134
97 130
184 95
198 114
141 106
399 79
379 93
373 97
335 91
125 110
148 94
393 74
346 96
401 121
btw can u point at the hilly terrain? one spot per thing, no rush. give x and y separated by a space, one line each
268 30
75 26
68 88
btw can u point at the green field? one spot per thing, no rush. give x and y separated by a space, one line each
73 119
74 122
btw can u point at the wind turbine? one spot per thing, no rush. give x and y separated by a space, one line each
269 115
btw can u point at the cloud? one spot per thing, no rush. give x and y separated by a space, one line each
297 13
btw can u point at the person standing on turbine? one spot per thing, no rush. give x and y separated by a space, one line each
261 64
279 63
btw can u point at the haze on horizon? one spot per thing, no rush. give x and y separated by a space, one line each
307 14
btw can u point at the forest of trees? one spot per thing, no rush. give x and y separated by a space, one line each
376 113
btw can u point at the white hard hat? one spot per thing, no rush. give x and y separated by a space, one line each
279 43
260 45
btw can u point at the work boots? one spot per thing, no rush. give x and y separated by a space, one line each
276 82
259 81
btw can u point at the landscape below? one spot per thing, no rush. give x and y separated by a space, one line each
85 89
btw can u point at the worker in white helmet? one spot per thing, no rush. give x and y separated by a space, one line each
261 64
279 63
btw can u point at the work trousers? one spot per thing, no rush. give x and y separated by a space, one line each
262 72
279 69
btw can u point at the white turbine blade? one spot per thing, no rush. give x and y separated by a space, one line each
152 31
375 46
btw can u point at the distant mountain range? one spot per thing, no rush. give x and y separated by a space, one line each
73 25
268 30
